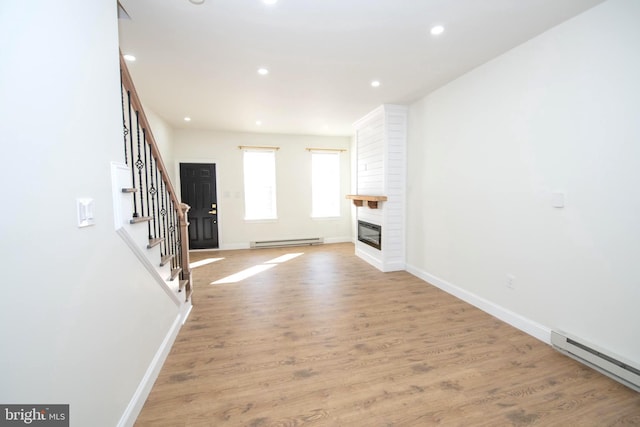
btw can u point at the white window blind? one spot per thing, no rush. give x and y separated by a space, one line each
259 184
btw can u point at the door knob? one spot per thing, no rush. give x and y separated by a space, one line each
213 212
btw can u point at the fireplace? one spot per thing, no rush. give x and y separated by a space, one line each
371 234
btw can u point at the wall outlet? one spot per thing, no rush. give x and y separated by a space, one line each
511 281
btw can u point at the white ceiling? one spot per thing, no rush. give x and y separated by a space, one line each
201 61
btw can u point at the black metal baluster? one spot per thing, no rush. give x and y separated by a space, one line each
176 224
124 120
139 164
179 247
153 191
169 237
133 174
163 214
173 234
146 177
170 229
157 198
168 219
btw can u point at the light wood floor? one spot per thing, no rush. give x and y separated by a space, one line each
324 339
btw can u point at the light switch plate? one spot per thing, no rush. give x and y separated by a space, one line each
85 212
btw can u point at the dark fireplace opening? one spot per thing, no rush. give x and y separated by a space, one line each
371 234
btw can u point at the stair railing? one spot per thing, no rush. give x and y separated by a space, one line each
154 198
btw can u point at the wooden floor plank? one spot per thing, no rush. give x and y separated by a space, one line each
326 339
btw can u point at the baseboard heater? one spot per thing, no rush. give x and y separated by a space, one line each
603 361
287 242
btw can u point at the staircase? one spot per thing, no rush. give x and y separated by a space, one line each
147 213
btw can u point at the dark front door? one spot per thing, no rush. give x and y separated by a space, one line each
198 188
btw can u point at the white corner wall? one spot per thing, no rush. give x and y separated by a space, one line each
80 318
559 113
293 184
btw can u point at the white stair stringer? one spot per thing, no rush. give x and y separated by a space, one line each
136 235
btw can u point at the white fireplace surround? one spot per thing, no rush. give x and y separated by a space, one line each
380 150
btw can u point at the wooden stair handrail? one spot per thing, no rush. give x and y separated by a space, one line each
127 82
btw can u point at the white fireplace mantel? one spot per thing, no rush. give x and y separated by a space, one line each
372 201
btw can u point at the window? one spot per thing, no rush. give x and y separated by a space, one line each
325 184
260 184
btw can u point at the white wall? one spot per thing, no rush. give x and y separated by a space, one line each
163 134
558 113
80 318
293 184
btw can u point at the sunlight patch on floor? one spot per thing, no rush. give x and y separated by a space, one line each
206 261
252 271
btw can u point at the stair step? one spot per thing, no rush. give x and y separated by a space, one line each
139 219
165 259
154 242
174 273
129 190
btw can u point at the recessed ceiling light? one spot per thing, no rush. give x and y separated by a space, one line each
269 1
263 71
437 30
129 57
187 119
197 1
258 123
375 83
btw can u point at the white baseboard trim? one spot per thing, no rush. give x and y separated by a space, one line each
383 266
186 311
368 258
527 326
144 388
394 266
